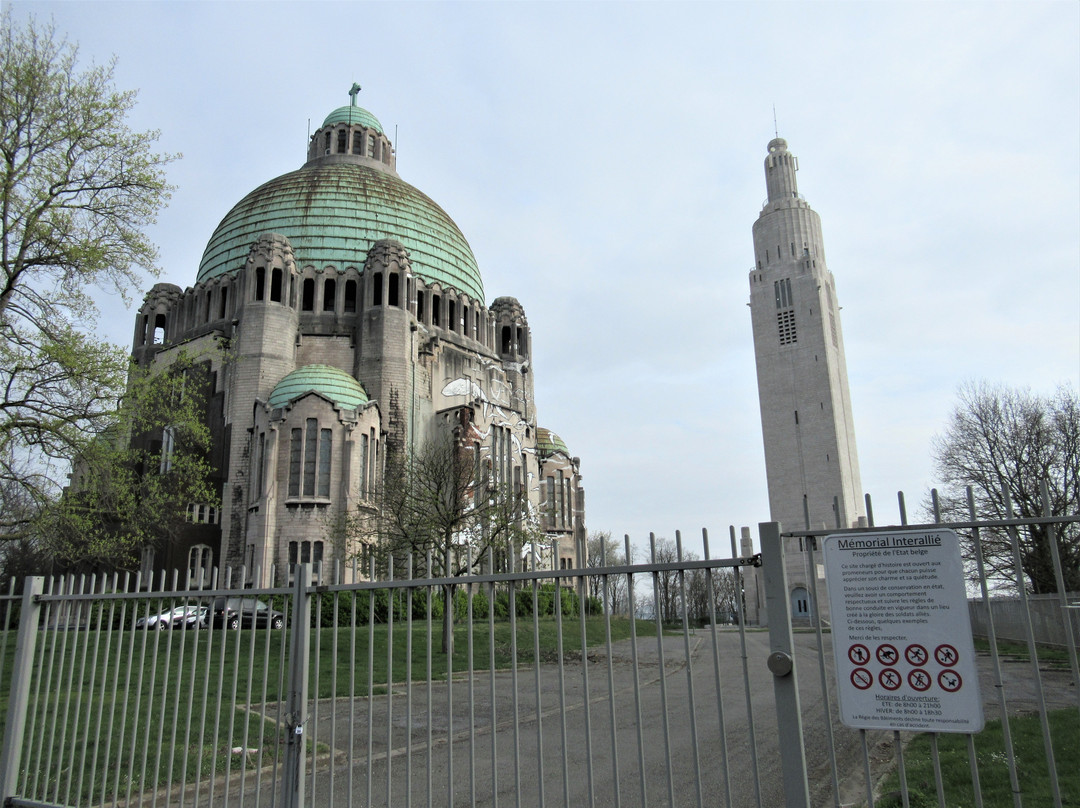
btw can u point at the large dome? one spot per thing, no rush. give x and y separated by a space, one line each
332 210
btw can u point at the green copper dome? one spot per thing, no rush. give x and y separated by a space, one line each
333 383
548 443
332 211
351 115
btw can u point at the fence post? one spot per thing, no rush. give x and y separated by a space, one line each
296 706
781 663
19 699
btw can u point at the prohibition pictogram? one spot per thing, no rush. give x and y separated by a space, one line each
887 654
950 681
919 680
862 678
946 655
859 654
916 655
890 679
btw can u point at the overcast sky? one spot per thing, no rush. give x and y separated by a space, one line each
604 160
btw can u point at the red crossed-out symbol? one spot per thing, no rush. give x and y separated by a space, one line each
890 679
859 654
887 654
916 654
862 678
945 654
950 681
919 680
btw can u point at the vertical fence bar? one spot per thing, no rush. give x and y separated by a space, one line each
19 697
710 584
781 663
299 645
607 606
1029 634
751 735
689 670
637 675
1059 579
663 671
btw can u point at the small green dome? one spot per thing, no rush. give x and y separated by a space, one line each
548 443
333 212
351 115
333 383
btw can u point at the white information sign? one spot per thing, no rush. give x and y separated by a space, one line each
901 631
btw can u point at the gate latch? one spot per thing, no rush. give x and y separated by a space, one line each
779 663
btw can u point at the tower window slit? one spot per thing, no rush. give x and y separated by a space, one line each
329 293
358 143
350 297
506 338
275 286
393 283
341 137
222 301
436 305
307 303
260 283
376 289
451 315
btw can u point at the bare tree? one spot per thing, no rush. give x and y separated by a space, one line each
441 500
77 188
1005 444
604 551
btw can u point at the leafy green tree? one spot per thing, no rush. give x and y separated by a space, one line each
1006 444
77 189
132 486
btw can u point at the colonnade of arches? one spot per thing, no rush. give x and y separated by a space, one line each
169 314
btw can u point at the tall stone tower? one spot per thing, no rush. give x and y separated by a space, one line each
806 419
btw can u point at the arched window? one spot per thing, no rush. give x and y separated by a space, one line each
507 335
260 283
358 143
200 566
206 308
326 143
310 453
376 289
393 282
159 329
465 318
451 315
420 298
307 302
436 305
329 291
223 299
341 137
275 286
350 297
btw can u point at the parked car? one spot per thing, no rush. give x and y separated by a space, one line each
176 617
247 612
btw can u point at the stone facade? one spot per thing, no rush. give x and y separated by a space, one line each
811 461
340 316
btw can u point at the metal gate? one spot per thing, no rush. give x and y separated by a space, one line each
547 698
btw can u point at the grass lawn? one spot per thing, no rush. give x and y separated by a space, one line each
120 710
1033 773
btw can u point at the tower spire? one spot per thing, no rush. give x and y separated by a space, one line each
776 128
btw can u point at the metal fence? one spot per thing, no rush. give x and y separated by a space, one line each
546 697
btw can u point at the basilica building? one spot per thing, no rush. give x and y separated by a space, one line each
339 317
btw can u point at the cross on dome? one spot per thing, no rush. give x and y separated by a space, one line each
352 93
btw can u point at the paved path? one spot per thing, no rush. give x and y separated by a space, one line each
539 723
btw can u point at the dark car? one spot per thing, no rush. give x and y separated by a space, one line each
246 612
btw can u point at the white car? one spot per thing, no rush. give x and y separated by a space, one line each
176 617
